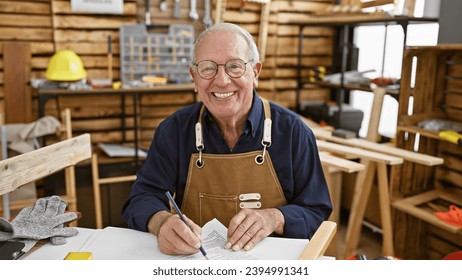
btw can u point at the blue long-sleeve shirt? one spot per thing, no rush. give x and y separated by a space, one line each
293 152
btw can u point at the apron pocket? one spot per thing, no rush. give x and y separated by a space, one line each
221 207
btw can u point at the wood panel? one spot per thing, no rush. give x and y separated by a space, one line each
51 25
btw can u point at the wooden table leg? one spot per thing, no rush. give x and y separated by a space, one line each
334 183
361 196
384 201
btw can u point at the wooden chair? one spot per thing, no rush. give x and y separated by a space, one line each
70 196
97 182
42 162
319 242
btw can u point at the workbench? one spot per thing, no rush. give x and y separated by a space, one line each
45 95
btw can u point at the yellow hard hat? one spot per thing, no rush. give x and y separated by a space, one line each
65 65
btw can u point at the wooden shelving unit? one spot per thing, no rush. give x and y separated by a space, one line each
344 25
436 94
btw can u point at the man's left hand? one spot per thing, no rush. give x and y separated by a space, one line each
250 226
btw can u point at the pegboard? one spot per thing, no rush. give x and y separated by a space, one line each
144 53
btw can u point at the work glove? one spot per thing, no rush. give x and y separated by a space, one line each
28 233
43 220
6 230
7 234
60 240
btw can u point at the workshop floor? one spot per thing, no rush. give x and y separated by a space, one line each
370 243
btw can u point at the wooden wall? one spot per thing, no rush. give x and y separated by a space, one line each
50 25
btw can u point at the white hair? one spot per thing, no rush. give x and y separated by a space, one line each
226 26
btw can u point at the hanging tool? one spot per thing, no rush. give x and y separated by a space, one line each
193 10
207 20
220 8
177 9
163 5
132 59
157 52
243 2
109 58
149 63
147 17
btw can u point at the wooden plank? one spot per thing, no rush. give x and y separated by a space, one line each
340 163
23 7
453 100
376 3
324 134
291 30
307 61
18 98
25 34
311 46
449 176
43 47
360 153
90 22
453 162
442 248
94 36
11 20
454 86
298 6
42 162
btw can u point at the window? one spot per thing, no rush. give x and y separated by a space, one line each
370 41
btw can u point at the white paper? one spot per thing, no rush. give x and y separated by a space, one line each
213 242
116 150
114 243
98 6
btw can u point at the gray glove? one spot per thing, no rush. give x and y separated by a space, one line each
44 220
60 240
6 230
7 234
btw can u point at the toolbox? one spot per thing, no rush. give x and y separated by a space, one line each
155 54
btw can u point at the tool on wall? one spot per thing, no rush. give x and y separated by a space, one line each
242 9
109 58
147 17
177 9
220 8
193 10
132 59
163 5
148 65
207 20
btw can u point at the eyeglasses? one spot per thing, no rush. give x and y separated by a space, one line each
208 69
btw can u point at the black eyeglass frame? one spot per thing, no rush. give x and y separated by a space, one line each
224 66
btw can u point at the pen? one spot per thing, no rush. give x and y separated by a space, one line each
183 219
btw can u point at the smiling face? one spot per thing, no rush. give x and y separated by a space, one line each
228 99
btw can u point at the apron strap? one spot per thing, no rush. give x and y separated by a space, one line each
266 141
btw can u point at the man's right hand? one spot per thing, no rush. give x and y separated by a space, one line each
174 237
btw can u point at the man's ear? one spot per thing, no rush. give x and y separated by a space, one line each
256 72
192 73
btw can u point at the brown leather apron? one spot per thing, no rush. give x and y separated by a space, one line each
219 185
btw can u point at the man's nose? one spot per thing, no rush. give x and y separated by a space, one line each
222 76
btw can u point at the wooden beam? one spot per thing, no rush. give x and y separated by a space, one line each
18 97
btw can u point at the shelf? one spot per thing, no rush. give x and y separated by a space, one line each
358 19
418 130
422 207
346 86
